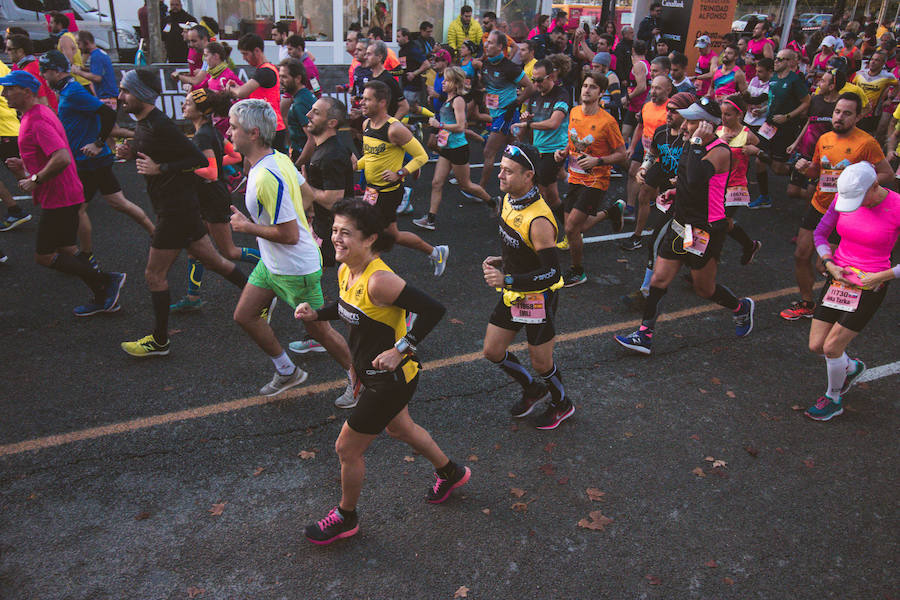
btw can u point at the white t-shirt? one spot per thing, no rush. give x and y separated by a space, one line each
283 52
757 88
273 197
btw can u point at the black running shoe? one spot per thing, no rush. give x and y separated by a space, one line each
750 253
535 392
441 489
631 244
556 413
332 528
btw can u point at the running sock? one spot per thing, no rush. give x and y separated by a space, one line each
432 217
195 276
95 280
645 286
283 364
738 234
161 302
237 277
448 470
512 367
346 513
651 306
553 379
762 179
725 297
837 374
250 255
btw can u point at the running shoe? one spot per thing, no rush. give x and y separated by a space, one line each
237 184
854 376
12 221
113 289
3 257
332 528
186 304
266 313
305 345
441 489
629 213
631 244
281 382
743 318
533 394
440 263
638 341
406 206
635 300
564 244
452 181
424 223
348 399
574 277
146 347
750 253
762 201
556 413
799 310
824 409
617 218
92 308
469 196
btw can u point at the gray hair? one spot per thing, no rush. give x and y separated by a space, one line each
380 49
255 113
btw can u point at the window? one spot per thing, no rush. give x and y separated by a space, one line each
310 18
412 12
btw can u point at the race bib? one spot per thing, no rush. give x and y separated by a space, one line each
492 100
767 131
828 180
695 240
737 196
371 196
442 137
842 297
664 202
530 309
646 141
314 82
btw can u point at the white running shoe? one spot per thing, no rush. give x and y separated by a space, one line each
440 263
348 399
281 382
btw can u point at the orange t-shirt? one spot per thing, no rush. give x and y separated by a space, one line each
833 154
594 135
652 116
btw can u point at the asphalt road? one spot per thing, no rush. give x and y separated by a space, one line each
124 506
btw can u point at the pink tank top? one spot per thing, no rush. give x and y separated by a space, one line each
724 83
739 160
703 64
636 103
718 184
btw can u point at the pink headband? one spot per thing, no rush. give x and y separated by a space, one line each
734 105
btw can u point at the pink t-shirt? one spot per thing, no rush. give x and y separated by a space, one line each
40 135
868 234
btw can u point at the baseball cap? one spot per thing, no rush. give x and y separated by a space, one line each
442 55
852 185
21 79
702 42
829 41
681 100
602 58
703 109
53 60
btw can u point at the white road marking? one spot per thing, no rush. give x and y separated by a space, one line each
881 372
613 236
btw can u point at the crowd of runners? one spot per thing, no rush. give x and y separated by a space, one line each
561 112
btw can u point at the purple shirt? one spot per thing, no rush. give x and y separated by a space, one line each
868 234
40 135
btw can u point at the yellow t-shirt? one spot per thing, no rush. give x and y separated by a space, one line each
875 86
77 59
9 121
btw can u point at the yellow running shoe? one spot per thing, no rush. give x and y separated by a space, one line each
145 347
564 244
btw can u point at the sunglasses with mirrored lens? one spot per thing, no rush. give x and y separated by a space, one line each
516 151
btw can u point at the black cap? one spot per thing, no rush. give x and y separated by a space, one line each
53 60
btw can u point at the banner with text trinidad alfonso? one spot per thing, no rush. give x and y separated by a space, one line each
708 17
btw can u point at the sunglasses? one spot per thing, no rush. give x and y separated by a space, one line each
777 58
516 151
538 79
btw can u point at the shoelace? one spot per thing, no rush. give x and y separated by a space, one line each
437 484
822 402
333 518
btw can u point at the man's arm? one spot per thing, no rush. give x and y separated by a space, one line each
399 135
287 233
552 123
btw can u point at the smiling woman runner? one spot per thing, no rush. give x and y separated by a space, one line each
867 217
374 303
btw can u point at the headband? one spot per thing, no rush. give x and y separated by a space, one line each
138 89
734 105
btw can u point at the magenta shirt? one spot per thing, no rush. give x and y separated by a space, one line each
40 135
868 234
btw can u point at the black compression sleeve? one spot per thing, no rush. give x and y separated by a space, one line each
329 312
539 279
107 121
428 311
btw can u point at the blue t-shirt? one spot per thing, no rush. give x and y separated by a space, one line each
542 108
102 65
78 114
500 79
448 117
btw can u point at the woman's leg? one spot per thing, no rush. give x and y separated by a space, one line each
461 172
350 447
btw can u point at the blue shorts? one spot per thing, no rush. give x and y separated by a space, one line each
502 124
637 154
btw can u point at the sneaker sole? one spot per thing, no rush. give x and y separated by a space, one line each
559 419
752 312
339 536
89 314
639 349
462 481
307 350
440 267
826 418
287 387
185 309
796 317
852 379
531 408
428 227
574 283
148 354
752 255
21 221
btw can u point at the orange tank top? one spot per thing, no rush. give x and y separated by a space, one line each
652 116
271 95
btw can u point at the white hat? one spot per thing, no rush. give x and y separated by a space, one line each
702 42
853 183
829 41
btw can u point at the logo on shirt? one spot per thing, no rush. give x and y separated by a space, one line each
350 317
374 149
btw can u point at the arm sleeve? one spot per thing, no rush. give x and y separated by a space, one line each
107 121
542 278
615 95
232 156
823 230
329 312
210 172
428 311
419 156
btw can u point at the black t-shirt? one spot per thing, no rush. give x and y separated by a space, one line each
265 77
667 146
412 55
329 168
210 138
394 87
173 38
175 189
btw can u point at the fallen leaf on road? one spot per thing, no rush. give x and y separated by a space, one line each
307 454
628 434
622 260
594 494
709 459
563 481
639 405
715 381
809 463
698 472
550 446
719 464
730 394
331 417
517 492
486 511
728 581
779 450
711 564
520 507
547 469
796 407
193 592
168 388
217 509
462 592
174 331
511 475
595 521
751 451
141 516
702 391
472 458
258 471
695 437
409 459
456 321
496 446
653 580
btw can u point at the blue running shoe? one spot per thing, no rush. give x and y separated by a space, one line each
116 281
854 376
638 341
762 201
824 409
743 318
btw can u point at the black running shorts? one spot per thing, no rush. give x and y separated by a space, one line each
811 218
586 199
671 248
869 302
535 333
100 179
378 405
9 148
387 204
58 228
547 169
456 156
175 231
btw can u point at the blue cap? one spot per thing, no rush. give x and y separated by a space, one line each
22 79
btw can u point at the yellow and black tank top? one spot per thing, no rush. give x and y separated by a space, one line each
381 155
519 255
373 328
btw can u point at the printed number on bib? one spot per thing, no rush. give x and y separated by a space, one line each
828 180
442 137
371 196
767 131
530 309
842 297
695 240
492 100
737 196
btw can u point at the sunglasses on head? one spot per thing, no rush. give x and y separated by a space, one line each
516 151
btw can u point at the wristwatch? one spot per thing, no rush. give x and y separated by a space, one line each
404 347
508 280
34 178
697 140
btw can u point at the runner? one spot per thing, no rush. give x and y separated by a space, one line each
729 79
47 172
877 83
375 57
835 151
696 233
88 123
9 148
527 276
290 266
758 108
385 140
594 144
166 159
100 70
501 78
453 149
638 88
707 62
19 48
867 217
374 303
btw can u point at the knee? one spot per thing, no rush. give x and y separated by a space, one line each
345 451
832 349
153 278
493 354
802 253
816 346
704 289
572 229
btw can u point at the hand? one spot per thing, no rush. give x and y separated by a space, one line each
836 272
790 149
146 165
891 155
526 116
666 197
304 311
640 175
340 89
410 76
27 185
239 222
802 165
434 123
492 276
757 111
586 162
388 360
874 279
124 151
780 119
15 165
492 261
174 75
705 132
92 149
751 150
353 162
390 176
559 155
